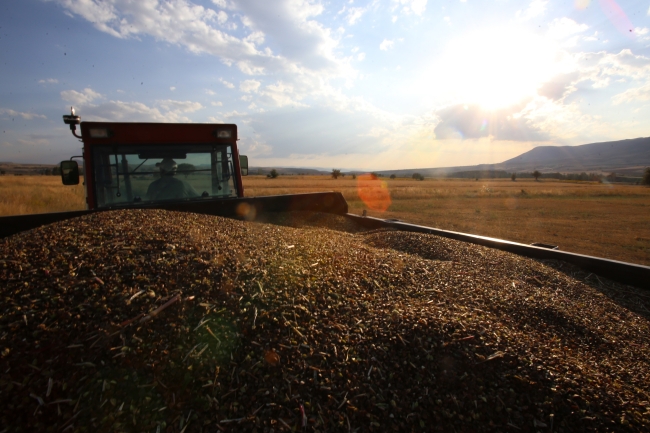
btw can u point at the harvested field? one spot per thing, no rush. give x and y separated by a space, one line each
147 320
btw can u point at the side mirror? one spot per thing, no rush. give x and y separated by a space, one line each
243 164
70 172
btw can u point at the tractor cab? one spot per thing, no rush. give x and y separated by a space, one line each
135 164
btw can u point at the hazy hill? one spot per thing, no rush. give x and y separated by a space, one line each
628 157
611 156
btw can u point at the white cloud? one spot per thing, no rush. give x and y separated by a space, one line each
172 88
33 141
210 92
80 98
354 14
48 81
386 45
216 103
562 28
25 116
534 9
227 83
559 86
596 66
116 111
284 40
473 122
643 33
361 56
601 83
280 95
249 86
234 114
180 106
197 28
633 95
410 6
254 147
256 38
568 124
222 17
167 110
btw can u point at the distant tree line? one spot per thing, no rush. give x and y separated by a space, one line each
54 171
470 174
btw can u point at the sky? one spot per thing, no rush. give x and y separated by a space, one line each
352 84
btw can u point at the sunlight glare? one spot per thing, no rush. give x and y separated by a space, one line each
496 67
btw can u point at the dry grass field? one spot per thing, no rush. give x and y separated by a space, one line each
38 194
602 220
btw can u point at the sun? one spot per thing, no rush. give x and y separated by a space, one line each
496 67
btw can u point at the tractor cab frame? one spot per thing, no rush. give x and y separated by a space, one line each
123 163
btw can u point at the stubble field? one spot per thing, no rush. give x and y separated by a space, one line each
589 218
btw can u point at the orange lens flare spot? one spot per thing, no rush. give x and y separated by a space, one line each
373 192
246 211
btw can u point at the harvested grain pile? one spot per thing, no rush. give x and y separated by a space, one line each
147 320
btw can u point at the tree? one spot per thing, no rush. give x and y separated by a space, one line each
273 174
418 176
513 177
2 172
336 173
646 177
186 169
537 174
392 176
354 176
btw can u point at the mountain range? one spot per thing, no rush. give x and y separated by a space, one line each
624 157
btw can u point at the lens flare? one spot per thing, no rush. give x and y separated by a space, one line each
373 192
582 4
246 211
617 16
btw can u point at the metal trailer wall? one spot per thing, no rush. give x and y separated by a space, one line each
622 272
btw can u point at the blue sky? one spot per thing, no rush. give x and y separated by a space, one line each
348 84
